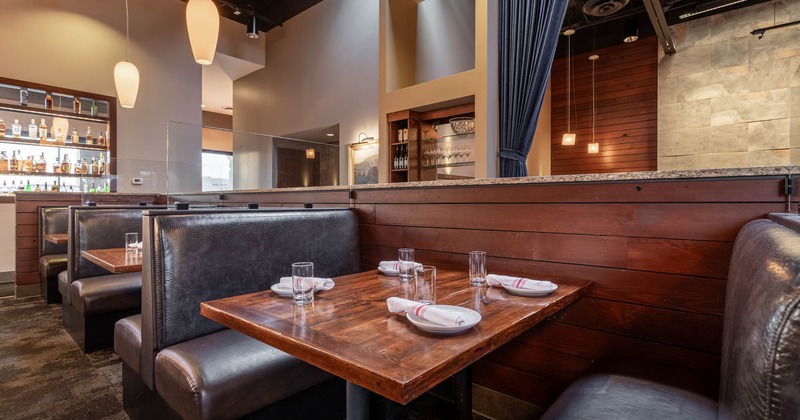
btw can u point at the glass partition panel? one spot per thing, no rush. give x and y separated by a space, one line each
125 176
252 161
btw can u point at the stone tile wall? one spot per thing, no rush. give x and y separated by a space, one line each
725 97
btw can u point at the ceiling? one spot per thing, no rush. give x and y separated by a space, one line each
269 13
601 23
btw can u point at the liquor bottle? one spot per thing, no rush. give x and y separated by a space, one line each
89 139
101 166
48 101
20 187
59 136
23 97
77 168
28 186
14 162
16 129
95 167
33 129
4 190
43 131
2 128
74 138
101 140
94 108
41 164
27 165
105 187
57 165
38 188
76 106
394 164
66 165
84 167
93 188
3 162
54 188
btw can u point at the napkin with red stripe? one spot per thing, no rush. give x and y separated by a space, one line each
393 265
319 283
427 312
519 283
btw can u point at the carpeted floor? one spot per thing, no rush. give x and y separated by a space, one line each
45 375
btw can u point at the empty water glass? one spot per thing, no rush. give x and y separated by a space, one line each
131 242
303 283
405 259
477 268
425 279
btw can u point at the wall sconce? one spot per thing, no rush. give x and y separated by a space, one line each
631 30
365 138
311 153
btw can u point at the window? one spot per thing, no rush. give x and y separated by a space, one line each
217 170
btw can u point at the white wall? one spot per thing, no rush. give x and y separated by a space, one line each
321 70
445 38
75 44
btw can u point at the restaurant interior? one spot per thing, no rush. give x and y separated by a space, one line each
400 209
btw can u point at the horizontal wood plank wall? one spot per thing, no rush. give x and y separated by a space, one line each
27 229
657 252
626 96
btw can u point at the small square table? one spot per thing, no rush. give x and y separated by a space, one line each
115 260
349 332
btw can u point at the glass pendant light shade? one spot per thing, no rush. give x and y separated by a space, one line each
202 22
594 147
126 79
568 139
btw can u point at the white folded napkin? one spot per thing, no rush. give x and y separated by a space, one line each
393 265
519 282
139 245
319 283
427 312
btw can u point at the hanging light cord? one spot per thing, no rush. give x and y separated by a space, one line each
127 30
569 72
594 113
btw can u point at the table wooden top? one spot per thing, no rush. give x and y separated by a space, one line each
115 260
349 332
56 238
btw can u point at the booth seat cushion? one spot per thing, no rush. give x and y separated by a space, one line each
227 375
51 265
633 389
106 294
63 284
128 341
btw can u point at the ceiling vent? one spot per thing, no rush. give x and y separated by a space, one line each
601 8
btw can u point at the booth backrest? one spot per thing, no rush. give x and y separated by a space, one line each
95 227
194 256
761 336
52 220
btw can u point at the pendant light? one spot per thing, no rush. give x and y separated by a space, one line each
568 139
594 147
126 75
202 22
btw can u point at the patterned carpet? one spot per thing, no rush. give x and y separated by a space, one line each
45 375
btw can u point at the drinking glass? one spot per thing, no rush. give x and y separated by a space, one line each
131 242
303 283
405 258
425 279
477 268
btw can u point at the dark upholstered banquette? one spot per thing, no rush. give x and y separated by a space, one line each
94 299
52 257
178 363
760 374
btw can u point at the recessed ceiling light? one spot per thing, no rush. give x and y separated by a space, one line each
329 134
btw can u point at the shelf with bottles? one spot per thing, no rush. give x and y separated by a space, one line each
13 186
38 99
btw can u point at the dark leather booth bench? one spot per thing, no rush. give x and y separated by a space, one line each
52 257
178 364
760 373
93 299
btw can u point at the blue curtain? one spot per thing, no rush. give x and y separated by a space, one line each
528 38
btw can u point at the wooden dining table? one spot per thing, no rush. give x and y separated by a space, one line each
115 260
349 332
56 238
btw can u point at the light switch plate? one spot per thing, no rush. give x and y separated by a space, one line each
137 181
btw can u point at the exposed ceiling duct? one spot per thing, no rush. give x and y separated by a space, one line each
602 8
